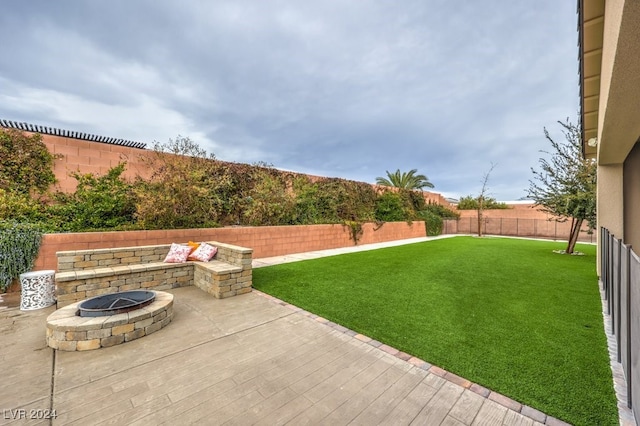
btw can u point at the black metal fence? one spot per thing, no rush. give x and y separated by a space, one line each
35 128
620 277
516 227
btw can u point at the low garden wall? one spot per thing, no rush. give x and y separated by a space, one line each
266 241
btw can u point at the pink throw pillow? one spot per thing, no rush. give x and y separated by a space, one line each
177 253
204 253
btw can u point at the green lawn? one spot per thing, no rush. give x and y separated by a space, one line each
507 314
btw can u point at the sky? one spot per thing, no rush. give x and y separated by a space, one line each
347 89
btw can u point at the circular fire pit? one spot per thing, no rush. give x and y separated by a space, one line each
115 303
68 331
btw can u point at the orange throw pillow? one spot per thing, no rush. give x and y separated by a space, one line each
194 247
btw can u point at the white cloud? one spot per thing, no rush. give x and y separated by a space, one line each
347 89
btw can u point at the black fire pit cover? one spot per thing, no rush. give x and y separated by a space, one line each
115 303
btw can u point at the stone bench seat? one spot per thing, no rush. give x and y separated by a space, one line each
217 267
87 273
214 266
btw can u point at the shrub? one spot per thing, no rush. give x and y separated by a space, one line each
433 215
340 200
270 203
99 202
414 198
27 165
19 246
442 211
432 221
306 207
391 207
186 190
21 207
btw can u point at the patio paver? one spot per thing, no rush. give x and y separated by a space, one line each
244 360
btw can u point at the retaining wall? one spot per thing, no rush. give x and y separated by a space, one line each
266 241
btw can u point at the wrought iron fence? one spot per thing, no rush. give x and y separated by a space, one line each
536 228
620 277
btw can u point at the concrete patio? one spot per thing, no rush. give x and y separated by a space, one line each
250 359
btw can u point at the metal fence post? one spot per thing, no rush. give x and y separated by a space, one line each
629 365
611 282
619 295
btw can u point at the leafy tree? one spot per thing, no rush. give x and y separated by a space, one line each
408 180
479 203
565 185
471 203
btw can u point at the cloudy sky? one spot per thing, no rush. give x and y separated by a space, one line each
334 88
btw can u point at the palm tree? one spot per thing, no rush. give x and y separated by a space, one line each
404 180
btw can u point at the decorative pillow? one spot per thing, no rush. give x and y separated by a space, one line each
204 253
194 247
177 253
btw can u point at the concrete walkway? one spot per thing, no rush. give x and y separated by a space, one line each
250 359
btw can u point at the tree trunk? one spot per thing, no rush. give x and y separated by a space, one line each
576 225
480 216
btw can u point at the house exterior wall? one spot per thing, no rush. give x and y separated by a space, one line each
618 122
631 195
610 201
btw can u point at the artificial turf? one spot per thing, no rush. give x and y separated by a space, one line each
508 314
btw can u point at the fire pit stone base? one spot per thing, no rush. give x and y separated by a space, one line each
66 331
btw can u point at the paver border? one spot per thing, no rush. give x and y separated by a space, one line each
503 400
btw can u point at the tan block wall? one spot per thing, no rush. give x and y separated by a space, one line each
91 157
521 220
266 241
519 211
96 157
